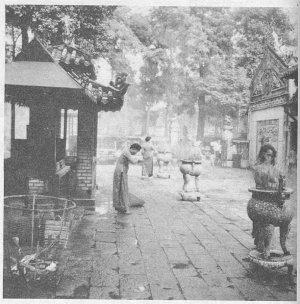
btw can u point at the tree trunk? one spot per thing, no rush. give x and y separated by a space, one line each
25 39
147 122
167 123
201 118
13 42
25 24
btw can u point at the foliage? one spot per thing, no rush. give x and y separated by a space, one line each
85 26
201 63
255 28
191 55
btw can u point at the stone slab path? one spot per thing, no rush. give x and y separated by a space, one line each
171 249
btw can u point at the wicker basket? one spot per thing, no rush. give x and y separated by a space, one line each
35 226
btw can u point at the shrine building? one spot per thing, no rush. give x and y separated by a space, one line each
269 117
51 81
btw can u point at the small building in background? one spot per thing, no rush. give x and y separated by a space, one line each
268 119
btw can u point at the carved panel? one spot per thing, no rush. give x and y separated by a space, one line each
269 103
267 132
268 82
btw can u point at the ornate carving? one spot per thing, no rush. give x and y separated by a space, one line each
269 207
268 82
267 132
258 89
276 82
269 103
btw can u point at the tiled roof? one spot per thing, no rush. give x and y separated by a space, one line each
73 60
39 74
63 66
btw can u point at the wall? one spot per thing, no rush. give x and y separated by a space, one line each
7 130
267 114
86 150
36 186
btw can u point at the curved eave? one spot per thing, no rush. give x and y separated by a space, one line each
290 73
64 97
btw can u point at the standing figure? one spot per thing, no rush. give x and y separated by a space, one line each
269 206
120 181
147 151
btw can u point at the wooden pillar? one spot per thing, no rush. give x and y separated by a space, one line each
65 124
65 127
13 124
42 136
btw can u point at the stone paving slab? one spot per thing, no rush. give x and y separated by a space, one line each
227 293
252 291
105 247
170 249
105 293
165 291
104 277
195 288
78 268
70 287
106 237
134 287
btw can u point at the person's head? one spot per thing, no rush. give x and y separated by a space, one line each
135 148
148 138
267 154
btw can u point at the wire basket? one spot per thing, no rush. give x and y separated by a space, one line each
36 227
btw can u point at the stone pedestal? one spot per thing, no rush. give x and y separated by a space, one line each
276 260
163 175
189 169
191 196
164 159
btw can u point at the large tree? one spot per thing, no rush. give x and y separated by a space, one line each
200 68
83 25
257 27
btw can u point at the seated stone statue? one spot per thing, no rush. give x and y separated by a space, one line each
268 208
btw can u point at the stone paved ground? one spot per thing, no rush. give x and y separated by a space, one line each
170 249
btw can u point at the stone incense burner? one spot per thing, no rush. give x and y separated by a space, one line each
163 159
189 169
268 208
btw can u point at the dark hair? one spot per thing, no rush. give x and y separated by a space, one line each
263 150
136 147
147 138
